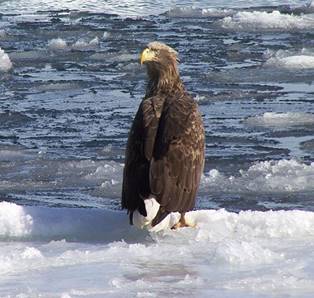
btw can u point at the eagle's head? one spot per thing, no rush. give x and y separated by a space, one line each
158 53
161 61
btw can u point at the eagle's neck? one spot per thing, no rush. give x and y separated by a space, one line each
163 79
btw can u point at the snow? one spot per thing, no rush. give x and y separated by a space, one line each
251 254
262 20
5 62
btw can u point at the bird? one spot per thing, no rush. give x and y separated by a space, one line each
164 157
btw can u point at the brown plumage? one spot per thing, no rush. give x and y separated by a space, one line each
165 149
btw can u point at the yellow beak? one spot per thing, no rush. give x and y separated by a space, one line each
147 55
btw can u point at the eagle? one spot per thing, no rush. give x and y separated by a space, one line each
164 157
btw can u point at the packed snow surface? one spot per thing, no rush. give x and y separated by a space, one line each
256 253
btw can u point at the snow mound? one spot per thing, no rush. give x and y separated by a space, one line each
262 20
263 177
5 62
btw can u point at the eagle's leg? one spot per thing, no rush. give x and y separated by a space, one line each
183 223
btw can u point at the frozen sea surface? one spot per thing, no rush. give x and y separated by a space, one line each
70 84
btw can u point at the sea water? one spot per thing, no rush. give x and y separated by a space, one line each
70 84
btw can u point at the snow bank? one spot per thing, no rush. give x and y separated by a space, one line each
263 177
281 119
5 62
262 20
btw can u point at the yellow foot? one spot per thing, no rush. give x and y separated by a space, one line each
183 224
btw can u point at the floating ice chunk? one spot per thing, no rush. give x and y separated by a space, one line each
296 61
281 119
57 44
263 177
257 20
2 34
85 45
94 41
191 12
5 62
106 35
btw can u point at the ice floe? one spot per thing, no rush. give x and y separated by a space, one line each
262 20
91 224
106 35
57 44
283 176
191 12
3 34
249 252
5 62
303 59
82 44
271 119
79 45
